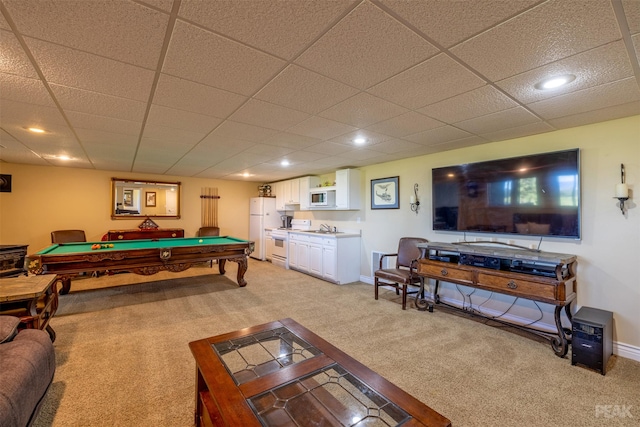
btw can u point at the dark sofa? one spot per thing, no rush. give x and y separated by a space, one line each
27 365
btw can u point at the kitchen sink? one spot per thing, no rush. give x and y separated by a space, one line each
324 232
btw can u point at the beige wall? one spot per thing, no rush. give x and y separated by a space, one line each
47 198
608 254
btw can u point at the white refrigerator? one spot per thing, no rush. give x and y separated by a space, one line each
262 214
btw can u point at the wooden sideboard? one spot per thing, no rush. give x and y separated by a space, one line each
143 233
12 260
539 276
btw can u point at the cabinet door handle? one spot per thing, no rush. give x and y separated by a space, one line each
444 272
512 284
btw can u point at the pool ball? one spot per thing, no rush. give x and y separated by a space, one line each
200 241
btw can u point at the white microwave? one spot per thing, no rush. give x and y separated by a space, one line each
320 197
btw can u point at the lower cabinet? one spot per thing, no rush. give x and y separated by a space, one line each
333 259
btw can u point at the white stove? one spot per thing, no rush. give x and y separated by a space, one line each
280 241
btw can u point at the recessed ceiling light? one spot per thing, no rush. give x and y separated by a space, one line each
555 82
284 163
246 174
35 130
360 140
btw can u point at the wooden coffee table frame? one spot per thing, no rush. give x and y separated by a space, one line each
221 402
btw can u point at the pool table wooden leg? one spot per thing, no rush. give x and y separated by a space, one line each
242 268
221 263
66 284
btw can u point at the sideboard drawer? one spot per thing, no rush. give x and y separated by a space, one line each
519 287
443 271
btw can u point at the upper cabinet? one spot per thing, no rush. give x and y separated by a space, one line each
294 194
348 189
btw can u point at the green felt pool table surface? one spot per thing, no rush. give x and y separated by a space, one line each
124 245
144 256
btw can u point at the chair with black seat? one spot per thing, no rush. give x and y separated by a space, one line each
67 236
405 272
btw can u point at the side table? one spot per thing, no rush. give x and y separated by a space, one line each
31 298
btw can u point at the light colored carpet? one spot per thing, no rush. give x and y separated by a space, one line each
123 357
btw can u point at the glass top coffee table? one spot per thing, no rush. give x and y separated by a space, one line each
282 374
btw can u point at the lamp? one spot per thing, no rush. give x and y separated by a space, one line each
415 203
622 190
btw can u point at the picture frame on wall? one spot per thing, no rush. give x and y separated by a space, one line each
385 193
150 199
127 197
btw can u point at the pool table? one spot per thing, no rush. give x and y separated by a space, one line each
144 256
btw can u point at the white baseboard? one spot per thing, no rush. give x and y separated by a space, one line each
619 349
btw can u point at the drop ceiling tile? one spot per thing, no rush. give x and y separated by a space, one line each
280 28
636 44
22 89
554 30
291 140
431 81
20 156
103 124
234 130
185 95
165 5
22 115
329 148
595 116
14 59
101 141
518 131
180 119
601 65
304 90
471 141
478 102
271 116
607 95
405 124
3 23
163 134
500 120
363 110
303 156
365 48
320 128
440 20
204 57
437 135
72 68
110 29
632 12
267 151
359 154
395 146
98 104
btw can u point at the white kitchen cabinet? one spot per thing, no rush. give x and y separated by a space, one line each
306 184
287 194
335 259
294 191
348 189
330 260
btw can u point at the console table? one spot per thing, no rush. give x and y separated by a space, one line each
143 233
546 277
282 374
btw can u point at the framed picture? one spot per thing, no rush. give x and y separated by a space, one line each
385 193
127 197
150 199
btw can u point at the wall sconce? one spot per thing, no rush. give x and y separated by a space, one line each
415 203
622 190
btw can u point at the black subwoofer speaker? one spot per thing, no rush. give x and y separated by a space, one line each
592 338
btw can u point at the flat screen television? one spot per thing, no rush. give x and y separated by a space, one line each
534 195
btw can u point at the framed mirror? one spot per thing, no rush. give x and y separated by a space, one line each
139 198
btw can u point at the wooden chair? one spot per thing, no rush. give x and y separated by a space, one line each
208 231
68 236
405 272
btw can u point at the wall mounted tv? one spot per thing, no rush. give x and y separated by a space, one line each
534 195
